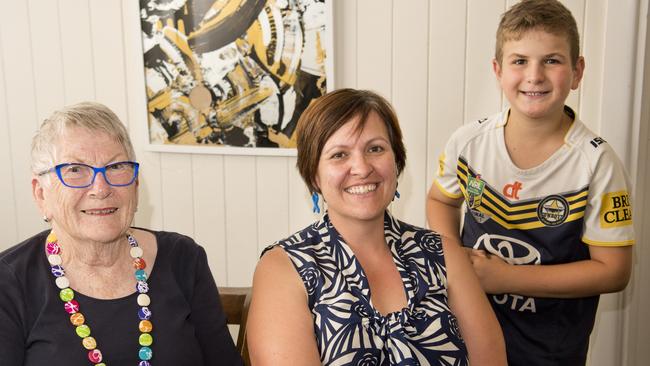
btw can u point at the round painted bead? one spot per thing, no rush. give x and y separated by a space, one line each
144 363
131 240
139 263
145 326
89 343
144 300
145 339
51 237
57 271
66 294
54 259
142 287
77 319
136 252
145 353
83 331
52 247
62 282
144 313
140 275
95 355
71 306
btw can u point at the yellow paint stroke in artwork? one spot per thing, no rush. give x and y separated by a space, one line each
255 36
248 101
320 51
179 40
160 101
281 139
181 26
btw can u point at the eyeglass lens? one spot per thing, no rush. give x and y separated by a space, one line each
80 175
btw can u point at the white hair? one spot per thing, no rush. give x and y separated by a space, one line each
91 116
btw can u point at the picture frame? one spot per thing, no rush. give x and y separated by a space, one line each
233 76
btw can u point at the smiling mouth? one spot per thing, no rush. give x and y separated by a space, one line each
362 189
102 212
534 94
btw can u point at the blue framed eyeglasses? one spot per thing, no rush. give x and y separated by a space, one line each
78 175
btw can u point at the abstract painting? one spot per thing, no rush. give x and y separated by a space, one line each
234 75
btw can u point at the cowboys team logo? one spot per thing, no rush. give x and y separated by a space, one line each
474 191
553 210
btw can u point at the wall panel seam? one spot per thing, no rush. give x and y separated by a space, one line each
31 53
92 49
124 67
8 127
63 84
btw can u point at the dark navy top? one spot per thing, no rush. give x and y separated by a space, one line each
189 326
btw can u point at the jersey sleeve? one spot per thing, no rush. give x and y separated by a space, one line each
446 179
608 215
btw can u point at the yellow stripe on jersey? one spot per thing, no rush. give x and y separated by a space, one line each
527 225
448 194
506 214
624 243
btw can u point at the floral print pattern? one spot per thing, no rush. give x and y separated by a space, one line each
348 329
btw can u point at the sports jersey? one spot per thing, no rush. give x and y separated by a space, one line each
539 216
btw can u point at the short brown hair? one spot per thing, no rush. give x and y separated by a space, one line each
326 114
547 15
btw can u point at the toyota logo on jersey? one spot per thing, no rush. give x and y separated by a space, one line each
511 250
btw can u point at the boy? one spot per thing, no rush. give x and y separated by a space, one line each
548 211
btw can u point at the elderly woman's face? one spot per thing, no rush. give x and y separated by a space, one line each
356 173
99 213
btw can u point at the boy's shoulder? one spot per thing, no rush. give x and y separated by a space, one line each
479 127
593 147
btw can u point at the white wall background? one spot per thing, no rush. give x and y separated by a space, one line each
430 58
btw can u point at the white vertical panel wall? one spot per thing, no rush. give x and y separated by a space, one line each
430 58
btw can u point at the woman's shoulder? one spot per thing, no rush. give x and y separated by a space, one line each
25 273
419 235
23 255
173 250
172 241
418 242
302 240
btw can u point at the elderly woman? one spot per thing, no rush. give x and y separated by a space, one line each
93 290
360 287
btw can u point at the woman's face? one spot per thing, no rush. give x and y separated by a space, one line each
99 213
357 174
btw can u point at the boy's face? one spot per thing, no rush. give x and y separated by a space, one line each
536 74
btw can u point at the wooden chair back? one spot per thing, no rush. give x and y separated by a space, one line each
235 302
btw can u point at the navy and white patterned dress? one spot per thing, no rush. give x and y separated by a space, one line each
348 329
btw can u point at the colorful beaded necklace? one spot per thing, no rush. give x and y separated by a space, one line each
77 319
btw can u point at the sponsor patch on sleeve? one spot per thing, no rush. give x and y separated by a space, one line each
615 210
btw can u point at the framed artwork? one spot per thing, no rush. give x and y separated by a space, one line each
233 76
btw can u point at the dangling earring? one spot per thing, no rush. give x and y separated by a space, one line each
314 201
396 192
46 219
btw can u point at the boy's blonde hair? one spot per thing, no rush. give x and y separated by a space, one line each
547 15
